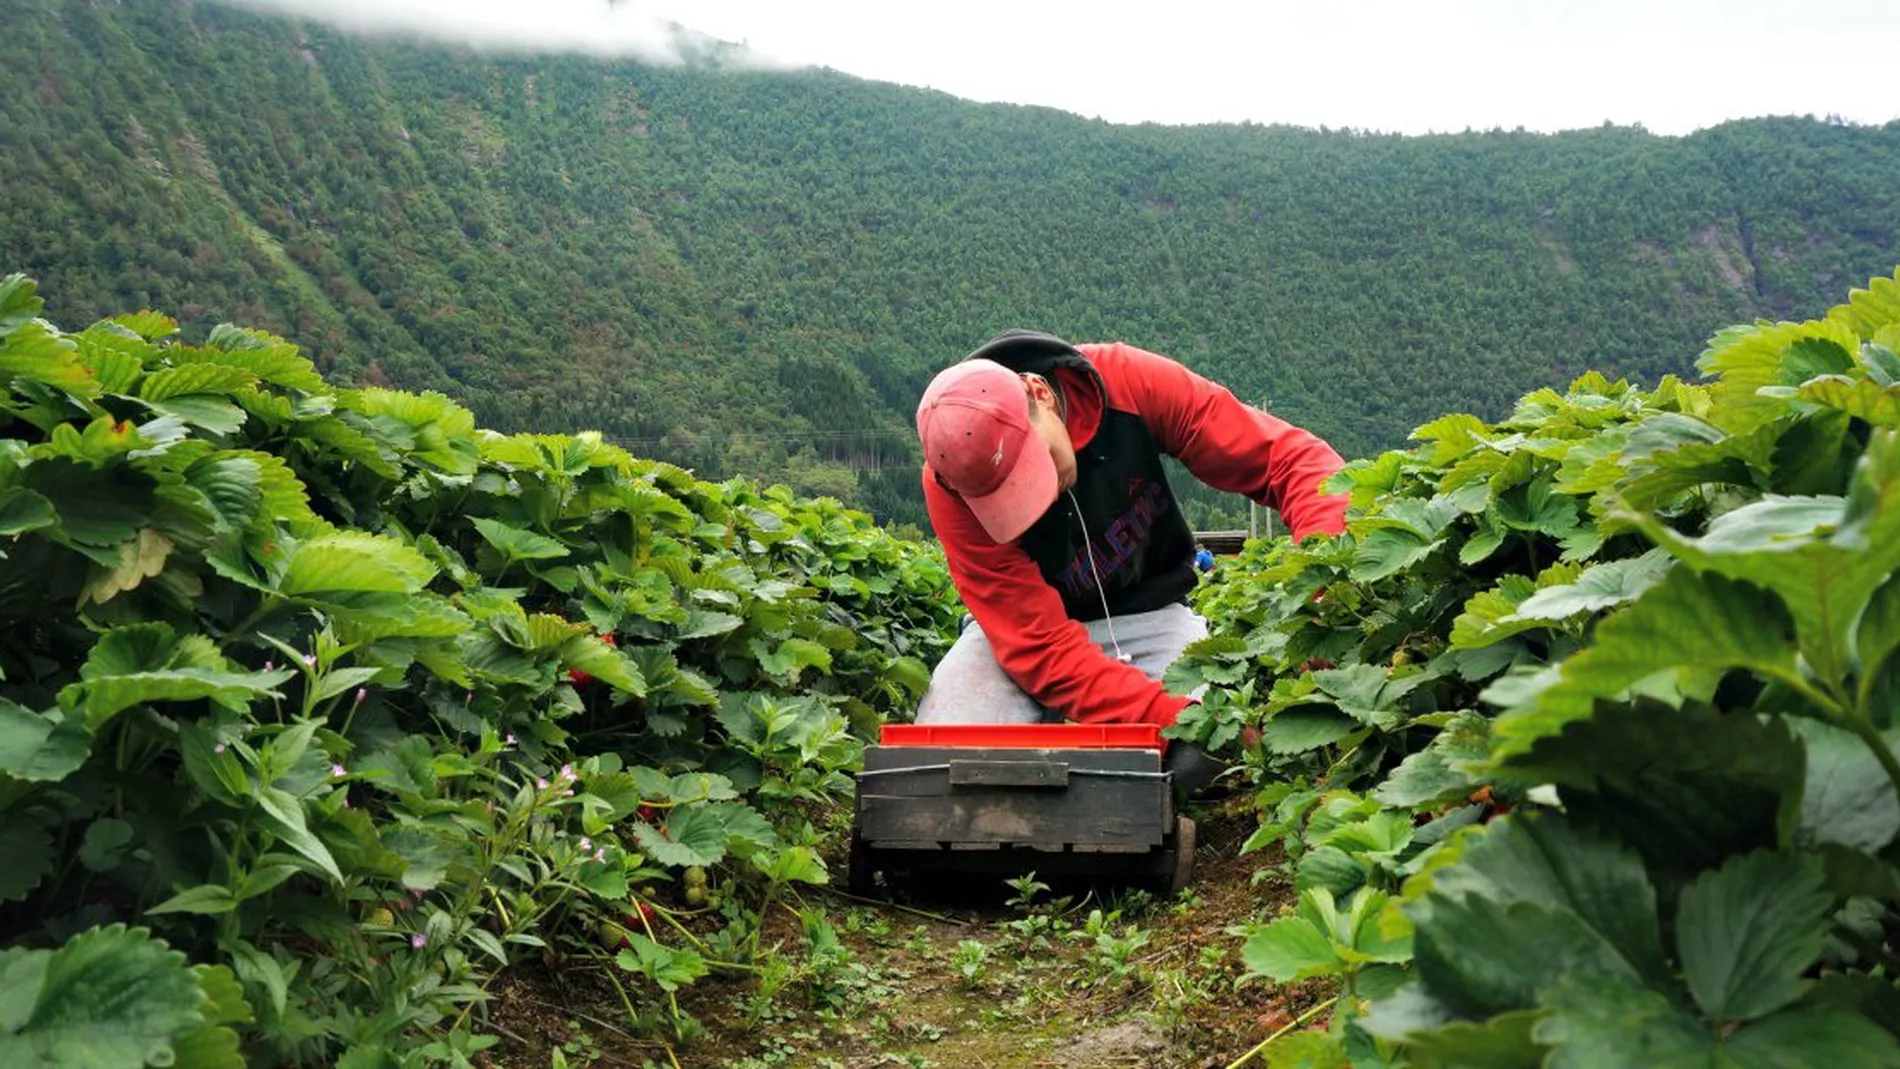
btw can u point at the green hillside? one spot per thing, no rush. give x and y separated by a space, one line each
757 272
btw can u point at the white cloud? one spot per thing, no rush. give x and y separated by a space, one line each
1411 66
595 27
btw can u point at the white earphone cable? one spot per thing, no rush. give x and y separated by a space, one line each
1089 551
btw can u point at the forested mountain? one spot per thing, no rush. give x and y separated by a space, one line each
756 272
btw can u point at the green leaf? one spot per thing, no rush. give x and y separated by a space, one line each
208 1047
1847 798
1594 1024
40 747
341 680
23 510
105 844
1305 1050
693 835
1750 357
1546 861
224 998
1686 787
20 302
213 414
1331 869
486 942
29 857
1391 550
96 508
791 657
428 426
1482 957
518 544
910 674
1367 693
1877 634
668 968
106 696
1486 540
1299 730
703 623
795 864
1322 940
267 356
605 663
103 442
110 997
1823 556
1503 1042
284 814
1435 774
265 878
1492 616
1536 507
355 561
1291 948
1690 622
426 852
207 898
258 969
370 1056
210 379
1748 931
1599 587
34 352
212 767
213 1045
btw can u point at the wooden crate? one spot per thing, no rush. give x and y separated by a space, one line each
1090 812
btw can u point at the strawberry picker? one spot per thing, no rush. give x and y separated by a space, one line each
1044 482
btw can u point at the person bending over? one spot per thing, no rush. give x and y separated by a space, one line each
1043 481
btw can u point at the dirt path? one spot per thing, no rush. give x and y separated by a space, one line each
1081 979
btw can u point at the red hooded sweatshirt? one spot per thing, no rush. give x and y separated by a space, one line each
1118 540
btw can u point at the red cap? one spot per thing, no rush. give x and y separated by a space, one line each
977 438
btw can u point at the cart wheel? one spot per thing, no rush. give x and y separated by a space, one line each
1183 855
858 874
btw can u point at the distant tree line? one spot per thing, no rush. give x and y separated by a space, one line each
757 272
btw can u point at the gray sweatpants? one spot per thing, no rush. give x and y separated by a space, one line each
969 687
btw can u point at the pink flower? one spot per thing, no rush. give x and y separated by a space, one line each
339 771
600 854
219 748
418 940
586 844
270 666
361 693
510 740
540 784
309 660
567 772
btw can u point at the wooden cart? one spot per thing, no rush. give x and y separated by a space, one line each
1056 799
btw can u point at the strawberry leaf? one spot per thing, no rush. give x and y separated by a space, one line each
1750 930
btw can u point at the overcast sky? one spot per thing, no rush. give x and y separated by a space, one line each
1411 66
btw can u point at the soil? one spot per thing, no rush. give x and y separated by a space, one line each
948 978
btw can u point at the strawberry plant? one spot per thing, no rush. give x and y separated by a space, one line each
1655 628
311 683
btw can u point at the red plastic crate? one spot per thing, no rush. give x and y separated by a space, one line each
1025 736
